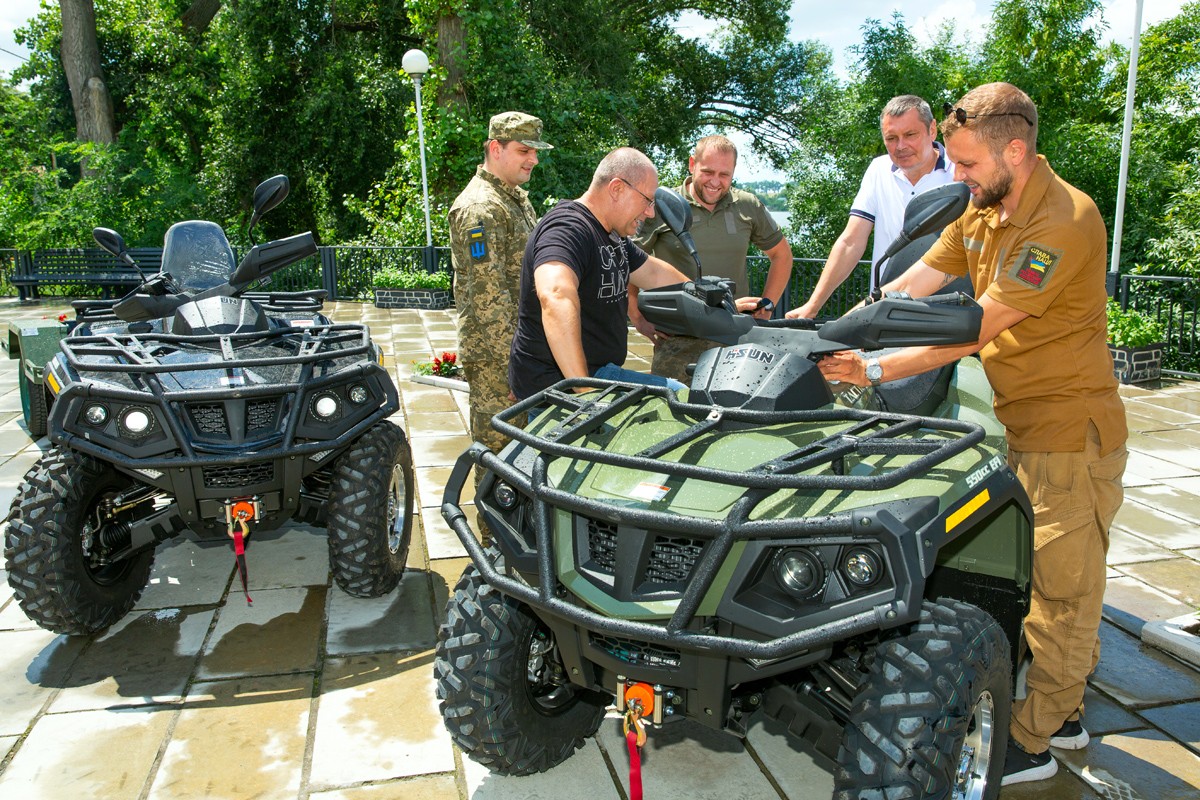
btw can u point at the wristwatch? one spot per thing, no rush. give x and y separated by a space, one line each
874 371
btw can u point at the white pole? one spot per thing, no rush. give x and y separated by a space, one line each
1126 136
424 179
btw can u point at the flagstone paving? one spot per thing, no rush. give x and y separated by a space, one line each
311 693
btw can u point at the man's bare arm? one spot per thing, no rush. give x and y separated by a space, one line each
557 289
849 367
845 255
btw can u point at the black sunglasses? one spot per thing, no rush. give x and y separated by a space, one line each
961 115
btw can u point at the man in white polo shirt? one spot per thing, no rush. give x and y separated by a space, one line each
914 163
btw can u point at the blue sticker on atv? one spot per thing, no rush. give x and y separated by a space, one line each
478 245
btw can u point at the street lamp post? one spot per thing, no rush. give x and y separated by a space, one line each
416 64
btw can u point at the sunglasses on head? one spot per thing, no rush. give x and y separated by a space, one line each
960 114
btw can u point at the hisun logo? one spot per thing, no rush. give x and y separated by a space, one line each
752 353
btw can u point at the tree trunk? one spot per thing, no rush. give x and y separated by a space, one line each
451 51
81 62
199 14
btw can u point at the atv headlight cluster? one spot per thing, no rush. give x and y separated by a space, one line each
135 424
505 495
333 408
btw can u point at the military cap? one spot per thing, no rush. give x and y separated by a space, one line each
513 126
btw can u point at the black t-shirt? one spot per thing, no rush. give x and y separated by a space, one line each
602 261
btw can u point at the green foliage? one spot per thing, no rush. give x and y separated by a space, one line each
1131 328
399 278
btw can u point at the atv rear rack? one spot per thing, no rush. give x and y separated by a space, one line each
871 433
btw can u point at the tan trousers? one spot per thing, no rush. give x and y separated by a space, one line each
1075 497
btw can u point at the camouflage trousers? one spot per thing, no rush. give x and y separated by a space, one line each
672 356
488 382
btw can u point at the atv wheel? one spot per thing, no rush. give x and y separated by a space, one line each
504 696
52 541
931 720
33 404
371 512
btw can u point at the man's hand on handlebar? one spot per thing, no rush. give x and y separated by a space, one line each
758 307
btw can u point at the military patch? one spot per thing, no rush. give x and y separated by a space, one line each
1035 264
477 243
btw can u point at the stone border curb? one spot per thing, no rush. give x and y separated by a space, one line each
1176 636
438 380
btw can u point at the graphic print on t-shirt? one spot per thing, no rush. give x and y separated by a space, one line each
615 273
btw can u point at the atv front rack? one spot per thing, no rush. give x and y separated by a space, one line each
140 353
868 433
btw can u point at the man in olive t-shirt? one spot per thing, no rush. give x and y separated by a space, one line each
1034 247
725 222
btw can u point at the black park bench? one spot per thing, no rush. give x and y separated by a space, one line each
88 266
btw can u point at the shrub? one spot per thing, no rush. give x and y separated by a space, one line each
1132 328
398 278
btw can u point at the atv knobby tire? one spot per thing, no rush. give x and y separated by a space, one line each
56 584
931 720
33 404
371 512
514 714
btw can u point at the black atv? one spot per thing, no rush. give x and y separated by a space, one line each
194 405
857 566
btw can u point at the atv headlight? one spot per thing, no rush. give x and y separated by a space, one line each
800 572
862 567
95 414
325 406
136 421
359 394
506 496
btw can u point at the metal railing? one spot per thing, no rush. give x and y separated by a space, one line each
345 272
805 272
1174 302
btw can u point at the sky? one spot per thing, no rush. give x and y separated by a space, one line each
836 24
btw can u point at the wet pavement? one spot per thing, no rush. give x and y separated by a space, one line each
310 693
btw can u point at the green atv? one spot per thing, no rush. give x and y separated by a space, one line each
857 566
33 342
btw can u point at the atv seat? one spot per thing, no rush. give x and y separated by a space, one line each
916 394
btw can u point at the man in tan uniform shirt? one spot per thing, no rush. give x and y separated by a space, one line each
1034 247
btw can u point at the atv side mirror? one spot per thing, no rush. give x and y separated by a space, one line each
114 243
925 214
110 240
677 215
267 195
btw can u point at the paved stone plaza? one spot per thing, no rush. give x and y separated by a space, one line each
310 693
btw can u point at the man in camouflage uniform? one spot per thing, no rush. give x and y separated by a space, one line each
489 224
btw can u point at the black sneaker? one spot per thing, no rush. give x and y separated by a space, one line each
1071 736
1022 767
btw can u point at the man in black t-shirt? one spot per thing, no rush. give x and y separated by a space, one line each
571 318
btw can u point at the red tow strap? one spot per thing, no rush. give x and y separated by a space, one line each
239 556
635 766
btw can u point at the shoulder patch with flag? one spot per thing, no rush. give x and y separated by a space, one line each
477 243
1035 264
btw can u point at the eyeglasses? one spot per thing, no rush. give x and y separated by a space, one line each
961 115
649 200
